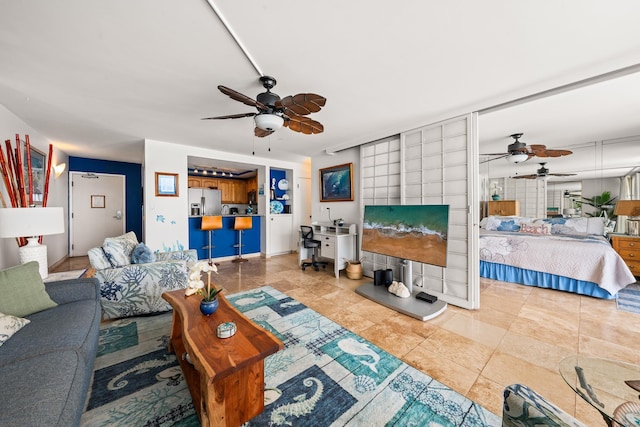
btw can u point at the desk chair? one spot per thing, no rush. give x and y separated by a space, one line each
309 243
241 223
210 223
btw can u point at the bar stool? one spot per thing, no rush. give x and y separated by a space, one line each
210 223
241 223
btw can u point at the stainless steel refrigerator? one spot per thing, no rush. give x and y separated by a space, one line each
210 200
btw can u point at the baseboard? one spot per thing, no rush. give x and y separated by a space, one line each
58 263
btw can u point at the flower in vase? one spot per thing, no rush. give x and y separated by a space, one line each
197 286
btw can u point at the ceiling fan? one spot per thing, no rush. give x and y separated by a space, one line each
274 112
519 151
541 174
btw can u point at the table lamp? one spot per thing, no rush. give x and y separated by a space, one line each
630 208
31 223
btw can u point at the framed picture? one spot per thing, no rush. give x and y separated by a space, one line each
166 184
97 201
38 164
336 183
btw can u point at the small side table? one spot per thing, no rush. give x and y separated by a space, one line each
601 383
628 247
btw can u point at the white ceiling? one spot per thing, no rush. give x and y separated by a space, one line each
98 77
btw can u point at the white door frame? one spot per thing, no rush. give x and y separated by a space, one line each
70 219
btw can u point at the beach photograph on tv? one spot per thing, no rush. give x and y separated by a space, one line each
412 232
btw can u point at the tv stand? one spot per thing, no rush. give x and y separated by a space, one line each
411 306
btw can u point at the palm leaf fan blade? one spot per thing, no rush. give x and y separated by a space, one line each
302 103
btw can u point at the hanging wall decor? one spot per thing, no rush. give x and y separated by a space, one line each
336 183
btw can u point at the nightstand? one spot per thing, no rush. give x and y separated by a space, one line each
628 247
503 207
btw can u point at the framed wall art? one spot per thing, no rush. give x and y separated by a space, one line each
336 183
38 164
166 184
97 201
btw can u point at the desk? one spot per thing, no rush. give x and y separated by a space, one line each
338 244
226 379
601 383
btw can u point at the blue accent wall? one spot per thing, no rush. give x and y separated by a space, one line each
133 186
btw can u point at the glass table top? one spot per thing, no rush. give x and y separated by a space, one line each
612 387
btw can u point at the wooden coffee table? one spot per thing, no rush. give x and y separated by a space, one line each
226 379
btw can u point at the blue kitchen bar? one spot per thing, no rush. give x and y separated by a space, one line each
224 239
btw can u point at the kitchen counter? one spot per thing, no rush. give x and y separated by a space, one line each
224 216
224 239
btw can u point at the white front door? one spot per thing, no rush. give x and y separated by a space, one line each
97 210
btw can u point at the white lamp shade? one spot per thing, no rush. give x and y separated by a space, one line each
28 222
517 158
269 122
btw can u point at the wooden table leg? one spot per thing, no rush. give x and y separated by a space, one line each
234 399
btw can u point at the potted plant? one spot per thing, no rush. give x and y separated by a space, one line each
603 204
209 303
495 191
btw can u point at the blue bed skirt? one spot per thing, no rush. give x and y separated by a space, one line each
507 273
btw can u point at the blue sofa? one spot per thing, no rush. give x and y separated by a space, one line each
46 367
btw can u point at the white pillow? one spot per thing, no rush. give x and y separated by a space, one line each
595 226
505 223
9 325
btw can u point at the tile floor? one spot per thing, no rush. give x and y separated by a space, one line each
519 334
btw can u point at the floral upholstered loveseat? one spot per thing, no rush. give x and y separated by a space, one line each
132 278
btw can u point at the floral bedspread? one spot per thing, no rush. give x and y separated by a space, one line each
589 258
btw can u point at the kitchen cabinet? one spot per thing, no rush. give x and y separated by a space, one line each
240 191
232 190
201 182
252 184
280 234
194 182
628 247
209 183
504 207
225 191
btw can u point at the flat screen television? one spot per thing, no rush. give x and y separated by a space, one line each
412 232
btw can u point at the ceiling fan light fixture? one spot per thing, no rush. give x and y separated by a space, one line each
269 122
517 158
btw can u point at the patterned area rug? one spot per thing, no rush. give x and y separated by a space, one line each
629 298
325 376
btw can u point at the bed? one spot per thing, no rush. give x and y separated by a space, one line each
563 254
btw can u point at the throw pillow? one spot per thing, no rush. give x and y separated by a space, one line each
504 223
531 228
9 325
22 291
118 249
142 254
98 259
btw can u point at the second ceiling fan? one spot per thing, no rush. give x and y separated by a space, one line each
520 152
273 112
541 174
